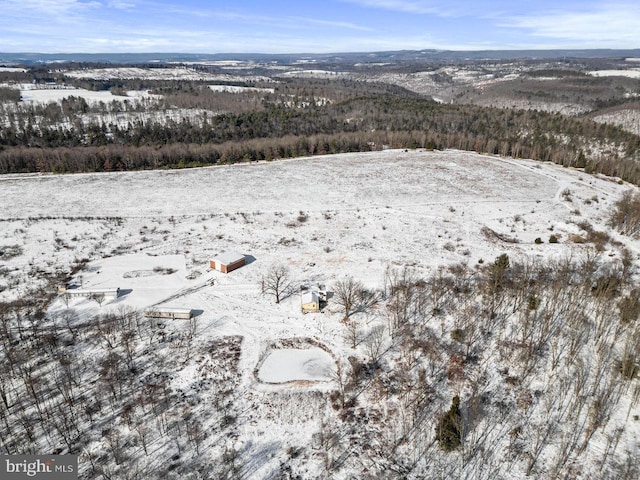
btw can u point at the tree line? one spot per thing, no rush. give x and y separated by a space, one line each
401 122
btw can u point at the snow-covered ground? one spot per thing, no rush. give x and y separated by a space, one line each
629 119
312 73
158 74
195 116
363 211
55 95
236 89
151 234
631 73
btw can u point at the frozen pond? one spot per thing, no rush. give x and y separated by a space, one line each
290 364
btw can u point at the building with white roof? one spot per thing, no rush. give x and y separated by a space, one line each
227 262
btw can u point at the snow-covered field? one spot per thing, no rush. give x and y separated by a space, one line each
151 234
631 73
55 93
158 74
312 74
47 95
236 89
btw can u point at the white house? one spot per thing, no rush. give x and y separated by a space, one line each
310 302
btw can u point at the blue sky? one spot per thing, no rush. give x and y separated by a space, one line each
308 26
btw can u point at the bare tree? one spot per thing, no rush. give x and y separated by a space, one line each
626 216
352 296
375 343
99 298
353 334
277 282
346 294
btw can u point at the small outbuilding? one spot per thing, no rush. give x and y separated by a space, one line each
89 292
310 302
227 262
170 313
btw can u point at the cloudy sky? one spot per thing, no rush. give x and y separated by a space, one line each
309 26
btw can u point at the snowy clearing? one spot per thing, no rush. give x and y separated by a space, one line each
312 73
58 93
236 89
158 74
616 73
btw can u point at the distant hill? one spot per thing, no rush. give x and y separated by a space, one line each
346 57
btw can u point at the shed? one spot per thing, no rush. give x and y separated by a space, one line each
90 292
227 262
170 313
310 302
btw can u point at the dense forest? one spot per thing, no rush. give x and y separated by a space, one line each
286 119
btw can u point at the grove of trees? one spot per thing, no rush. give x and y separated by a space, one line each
352 116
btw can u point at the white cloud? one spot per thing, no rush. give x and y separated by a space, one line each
614 25
45 7
405 6
246 18
45 14
120 5
329 23
438 8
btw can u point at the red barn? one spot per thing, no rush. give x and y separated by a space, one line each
227 262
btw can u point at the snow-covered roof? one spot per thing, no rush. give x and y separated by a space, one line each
168 310
92 291
309 297
228 258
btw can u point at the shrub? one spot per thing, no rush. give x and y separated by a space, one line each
10 251
538 241
626 216
458 335
629 367
574 238
449 427
553 239
164 270
630 307
599 238
566 194
585 225
302 217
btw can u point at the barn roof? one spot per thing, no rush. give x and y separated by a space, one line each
227 258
